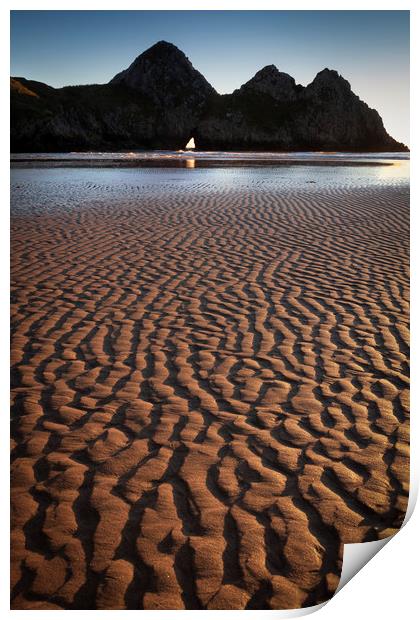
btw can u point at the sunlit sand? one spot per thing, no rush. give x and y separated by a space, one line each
210 382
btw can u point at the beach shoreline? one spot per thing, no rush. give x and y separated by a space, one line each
209 381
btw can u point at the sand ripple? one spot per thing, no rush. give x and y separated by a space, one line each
210 391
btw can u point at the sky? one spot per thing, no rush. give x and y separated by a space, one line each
369 48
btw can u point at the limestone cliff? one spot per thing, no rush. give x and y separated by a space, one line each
161 101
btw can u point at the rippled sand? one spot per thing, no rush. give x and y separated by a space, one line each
209 386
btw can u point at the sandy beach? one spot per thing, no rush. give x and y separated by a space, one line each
209 383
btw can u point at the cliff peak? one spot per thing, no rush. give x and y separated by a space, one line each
164 49
165 75
330 77
270 81
268 70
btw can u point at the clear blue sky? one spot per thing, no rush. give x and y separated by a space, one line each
369 48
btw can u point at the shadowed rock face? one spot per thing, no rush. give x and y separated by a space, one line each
161 101
271 112
165 75
270 81
341 117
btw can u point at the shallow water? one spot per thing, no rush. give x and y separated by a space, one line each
208 155
31 180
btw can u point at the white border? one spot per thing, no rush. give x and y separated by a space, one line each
396 568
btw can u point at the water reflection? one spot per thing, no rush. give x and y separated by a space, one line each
291 157
308 170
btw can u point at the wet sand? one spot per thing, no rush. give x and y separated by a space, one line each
209 385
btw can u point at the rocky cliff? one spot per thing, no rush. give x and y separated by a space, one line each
161 101
178 92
